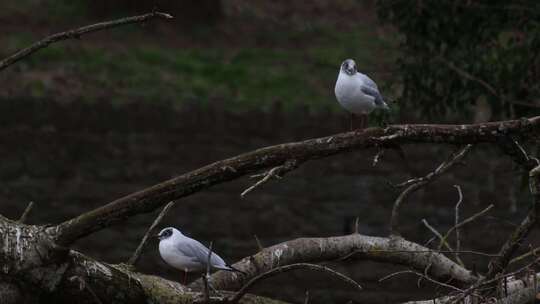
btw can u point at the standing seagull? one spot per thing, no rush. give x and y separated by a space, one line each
357 93
187 254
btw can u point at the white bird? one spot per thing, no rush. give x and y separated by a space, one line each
356 92
187 254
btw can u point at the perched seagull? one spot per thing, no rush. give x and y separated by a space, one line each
187 254
357 93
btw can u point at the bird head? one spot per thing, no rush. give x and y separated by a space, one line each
168 232
349 67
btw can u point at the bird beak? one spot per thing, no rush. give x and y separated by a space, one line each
157 236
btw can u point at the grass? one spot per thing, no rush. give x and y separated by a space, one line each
243 77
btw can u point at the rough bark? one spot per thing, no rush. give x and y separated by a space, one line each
151 198
395 250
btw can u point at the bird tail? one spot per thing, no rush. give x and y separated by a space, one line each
385 106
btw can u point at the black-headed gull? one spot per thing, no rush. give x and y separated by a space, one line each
187 254
357 93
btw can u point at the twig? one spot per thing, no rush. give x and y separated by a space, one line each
276 172
415 184
455 227
439 235
137 254
456 221
525 255
468 220
24 216
83 285
286 268
259 244
206 275
469 76
77 33
498 264
484 281
513 148
421 276
377 157
473 252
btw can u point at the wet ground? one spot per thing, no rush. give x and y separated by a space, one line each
71 158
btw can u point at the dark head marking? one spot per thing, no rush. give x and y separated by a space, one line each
349 67
165 233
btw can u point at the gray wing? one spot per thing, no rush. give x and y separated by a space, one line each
373 92
369 82
199 252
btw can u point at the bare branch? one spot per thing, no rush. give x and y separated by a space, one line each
136 255
456 222
24 216
276 172
533 252
282 269
393 250
415 184
469 76
206 276
77 33
84 286
421 276
439 236
513 148
498 264
259 244
151 198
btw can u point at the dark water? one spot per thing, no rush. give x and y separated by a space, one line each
72 158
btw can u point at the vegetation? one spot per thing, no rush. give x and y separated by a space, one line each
460 54
293 65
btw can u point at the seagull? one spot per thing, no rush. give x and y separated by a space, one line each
187 254
357 93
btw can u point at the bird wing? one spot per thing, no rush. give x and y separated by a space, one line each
194 249
368 81
373 92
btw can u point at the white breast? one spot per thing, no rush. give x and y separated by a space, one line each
350 96
174 258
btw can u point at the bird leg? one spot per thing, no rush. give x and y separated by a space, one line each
185 276
363 121
351 122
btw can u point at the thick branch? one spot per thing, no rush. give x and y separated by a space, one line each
116 284
77 33
393 250
151 198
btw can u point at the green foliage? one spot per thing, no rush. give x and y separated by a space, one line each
456 52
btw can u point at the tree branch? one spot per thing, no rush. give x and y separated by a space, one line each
282 269
151 198
24 216
498 264
393 250
415 184
276 172
77 33
137 254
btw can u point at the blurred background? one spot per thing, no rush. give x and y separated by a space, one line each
86 121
